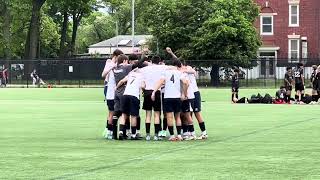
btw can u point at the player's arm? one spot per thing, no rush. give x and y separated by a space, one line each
169 51
185 86
190 70
158 86
302 77
286 77
124 80
107 68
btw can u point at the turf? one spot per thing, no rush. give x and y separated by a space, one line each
57 134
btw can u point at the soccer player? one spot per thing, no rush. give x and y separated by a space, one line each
173 80
235 85
314 84
131 101
121 71
288 83
281 95
110 93
152 75
299 82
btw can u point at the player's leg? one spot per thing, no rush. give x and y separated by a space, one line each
147 106
157 126
185 119
134 112
164 118
125 109
117 114
170 126
191 131
138 127
177 111
198 115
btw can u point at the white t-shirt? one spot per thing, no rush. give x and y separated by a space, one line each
193 82
134 84
152 74
172 87
108 66
111 86
190 88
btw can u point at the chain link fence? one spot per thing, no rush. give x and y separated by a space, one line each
264 73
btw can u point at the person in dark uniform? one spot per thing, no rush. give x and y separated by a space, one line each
235 86
318 82
314 83
288 83
299 82
281 95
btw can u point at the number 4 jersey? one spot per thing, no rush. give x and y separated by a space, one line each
172 87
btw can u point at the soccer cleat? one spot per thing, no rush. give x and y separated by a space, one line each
139 136
110 137
203 136
121 136
179 138
148 137
192 137
157 138
172 138
163 133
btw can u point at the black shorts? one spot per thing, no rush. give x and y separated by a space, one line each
172 105
131 105
150 105
288 88
235 89
314 86
118 101
110 104
187 105
197 102
299 87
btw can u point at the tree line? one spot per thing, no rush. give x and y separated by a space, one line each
195 29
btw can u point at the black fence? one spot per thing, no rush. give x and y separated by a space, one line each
263 73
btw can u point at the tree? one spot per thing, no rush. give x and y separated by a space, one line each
32 40
6 14
212 30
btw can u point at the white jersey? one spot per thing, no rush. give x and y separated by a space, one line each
190 88
193 82
134 84
152 74
108 66
111 87
172 87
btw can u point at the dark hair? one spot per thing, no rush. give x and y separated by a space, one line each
300 64
122 58
236 70
176 63
156 59
133 57
282 87
117 52
289 68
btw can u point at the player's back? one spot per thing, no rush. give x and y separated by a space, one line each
134 84
152 75
172 87
298 75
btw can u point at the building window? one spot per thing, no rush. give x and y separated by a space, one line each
266 25
294 49
293 15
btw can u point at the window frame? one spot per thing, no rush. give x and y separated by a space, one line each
290 15
290 49
261 25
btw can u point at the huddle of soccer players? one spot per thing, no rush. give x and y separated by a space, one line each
296 77
171 89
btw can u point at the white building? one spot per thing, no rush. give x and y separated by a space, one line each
122 42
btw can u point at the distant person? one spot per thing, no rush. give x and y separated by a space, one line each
314 83
235 85
4 76
299 82
36 80
281 96
288 83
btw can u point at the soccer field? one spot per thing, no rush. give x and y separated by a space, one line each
57 134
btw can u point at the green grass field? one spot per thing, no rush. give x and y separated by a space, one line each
57 134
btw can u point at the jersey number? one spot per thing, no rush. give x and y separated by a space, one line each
172 79
297 74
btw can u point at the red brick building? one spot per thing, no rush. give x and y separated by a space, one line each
290 30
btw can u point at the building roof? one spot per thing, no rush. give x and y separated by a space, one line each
123 41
